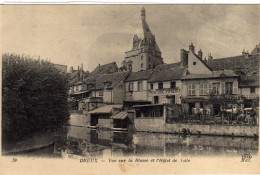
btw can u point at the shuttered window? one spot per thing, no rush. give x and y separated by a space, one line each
229 87
191 89
131 87
216 88
140 86
204 89
235 87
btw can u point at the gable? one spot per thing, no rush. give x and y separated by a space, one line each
196 65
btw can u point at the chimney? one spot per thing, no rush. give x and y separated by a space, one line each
184 57
243 53
191 48
210 57
98 66
205 59
71 69
246 55
200 53
78 73
81 72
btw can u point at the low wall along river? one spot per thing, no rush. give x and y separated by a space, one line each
158 125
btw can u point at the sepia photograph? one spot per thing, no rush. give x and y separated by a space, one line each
144 84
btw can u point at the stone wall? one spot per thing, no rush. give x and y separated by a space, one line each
158 125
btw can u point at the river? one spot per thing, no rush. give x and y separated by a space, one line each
80 142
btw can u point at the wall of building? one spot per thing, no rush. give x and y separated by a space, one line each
135 94
105 123
166 92
96 93
119 93
108 96
209 82
136 58
246 91
199 68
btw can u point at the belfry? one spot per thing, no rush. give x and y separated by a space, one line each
145 53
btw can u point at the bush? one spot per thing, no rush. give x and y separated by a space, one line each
34 96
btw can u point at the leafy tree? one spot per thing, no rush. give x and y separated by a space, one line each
34 96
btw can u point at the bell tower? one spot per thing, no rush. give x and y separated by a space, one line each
145 53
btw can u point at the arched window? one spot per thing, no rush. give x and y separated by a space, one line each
142 65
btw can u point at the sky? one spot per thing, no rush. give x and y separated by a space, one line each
100 34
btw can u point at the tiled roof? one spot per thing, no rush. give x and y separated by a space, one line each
141 75
106 68
167 72
250 80
236 62
110 80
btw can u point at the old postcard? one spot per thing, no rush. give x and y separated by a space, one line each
111 89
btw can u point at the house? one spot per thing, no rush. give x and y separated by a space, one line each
217 84
247 67
136 86
110 87
82 83
165 84
144 53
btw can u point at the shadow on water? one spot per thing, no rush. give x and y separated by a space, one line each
80 142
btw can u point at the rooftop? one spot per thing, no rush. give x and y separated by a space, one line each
167 72
141 75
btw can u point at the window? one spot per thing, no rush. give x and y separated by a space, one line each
156 99
216 88
142 49
142 57
149 66
160 85
151 86
203 89
252 90
77 88
194 63
229 87
191 89
130 67
100 93
130 87
173 84
142 65
140 86
149 59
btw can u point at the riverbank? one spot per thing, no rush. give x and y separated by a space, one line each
35 142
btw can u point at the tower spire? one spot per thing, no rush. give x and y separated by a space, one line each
143 12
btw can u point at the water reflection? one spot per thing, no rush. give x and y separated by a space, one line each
79 142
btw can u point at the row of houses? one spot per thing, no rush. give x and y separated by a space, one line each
155 90
190 82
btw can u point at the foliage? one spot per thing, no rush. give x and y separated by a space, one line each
34 96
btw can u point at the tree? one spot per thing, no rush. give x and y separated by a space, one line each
34 96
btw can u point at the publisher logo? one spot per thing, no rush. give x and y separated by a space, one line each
246 158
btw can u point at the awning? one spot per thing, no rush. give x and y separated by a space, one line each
105 109
121 115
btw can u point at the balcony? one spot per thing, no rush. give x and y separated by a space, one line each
165 91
